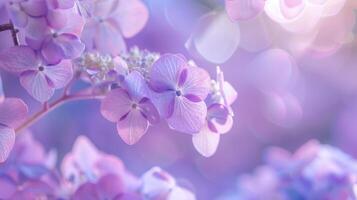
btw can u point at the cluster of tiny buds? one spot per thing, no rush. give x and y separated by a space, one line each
98 68
140 60
95 67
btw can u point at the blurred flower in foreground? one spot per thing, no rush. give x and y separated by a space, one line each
314 171
111 20
29 171
12 112
92 174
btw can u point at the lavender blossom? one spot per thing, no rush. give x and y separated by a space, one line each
39 79
181 90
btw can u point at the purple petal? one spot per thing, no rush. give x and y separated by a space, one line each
163 102
108 39
244 9
17 59
149 111
86 191
198 83
60 74
60 4
132 127
37 85
8 187
51 52
57 19
34 8
71 45
17 16
183 77
7 141
136 85
36 28
206 141
188 116
110 186
165 72
12 112
218 115
115 105
132 17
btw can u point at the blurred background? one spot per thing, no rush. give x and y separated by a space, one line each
288 93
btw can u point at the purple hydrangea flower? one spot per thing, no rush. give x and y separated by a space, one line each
314 171
87 164
219 118
180 90
107 187
27 172
12 112
109 21
56 36
130 108
39 80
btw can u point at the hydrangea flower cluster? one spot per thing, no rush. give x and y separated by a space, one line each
314 171
85 173
62 42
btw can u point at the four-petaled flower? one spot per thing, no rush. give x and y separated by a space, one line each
40 80
113 19
179 92
130 108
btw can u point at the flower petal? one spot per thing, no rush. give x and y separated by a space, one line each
36 28
12 111
60 4
218 116
197 83
216 38
8 187
165 72
60 74
17 16
7 141
162 102
149 111
36 85
108 39
34 8
188 116
206 141
132 17
136 85
17 59
71 45
109 186
132 127
115 105
244 9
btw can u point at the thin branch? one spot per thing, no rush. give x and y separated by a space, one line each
50 107
14 31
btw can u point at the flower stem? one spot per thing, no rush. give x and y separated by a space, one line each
52 106
10 27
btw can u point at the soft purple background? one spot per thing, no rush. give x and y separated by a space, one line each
326 89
